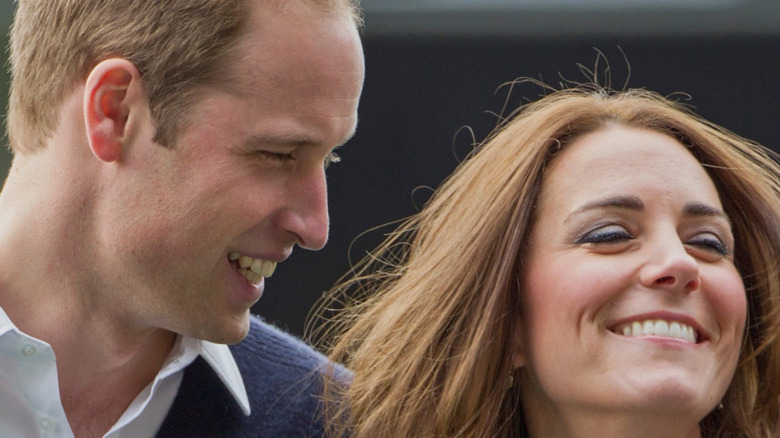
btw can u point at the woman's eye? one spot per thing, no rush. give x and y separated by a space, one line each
605 235
709 242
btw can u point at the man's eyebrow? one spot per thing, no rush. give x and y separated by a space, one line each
282 140
622 202
292 139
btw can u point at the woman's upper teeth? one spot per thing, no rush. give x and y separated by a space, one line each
658 327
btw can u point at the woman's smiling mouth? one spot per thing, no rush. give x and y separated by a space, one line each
658 327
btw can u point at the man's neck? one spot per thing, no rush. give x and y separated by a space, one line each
104 358
94 401
101 368
52 279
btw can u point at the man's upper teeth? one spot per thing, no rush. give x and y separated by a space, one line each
658 327
264 268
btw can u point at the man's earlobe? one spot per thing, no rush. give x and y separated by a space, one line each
107 107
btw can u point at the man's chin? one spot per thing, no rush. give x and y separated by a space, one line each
230 331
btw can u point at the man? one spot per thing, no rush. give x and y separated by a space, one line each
167 156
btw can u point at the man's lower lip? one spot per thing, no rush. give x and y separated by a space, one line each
259 288
250 291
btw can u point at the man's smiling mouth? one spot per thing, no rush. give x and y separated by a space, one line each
253 269
658 327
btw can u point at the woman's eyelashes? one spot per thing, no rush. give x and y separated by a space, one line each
607 234
709 241
613 234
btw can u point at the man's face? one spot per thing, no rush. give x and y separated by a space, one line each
246 177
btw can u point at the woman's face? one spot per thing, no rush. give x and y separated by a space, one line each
633 305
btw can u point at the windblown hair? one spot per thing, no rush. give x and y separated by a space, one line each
177 46
433 315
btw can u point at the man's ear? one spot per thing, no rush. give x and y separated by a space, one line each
110 98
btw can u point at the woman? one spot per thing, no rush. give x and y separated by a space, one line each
603 265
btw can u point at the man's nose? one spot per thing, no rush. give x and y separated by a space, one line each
306 215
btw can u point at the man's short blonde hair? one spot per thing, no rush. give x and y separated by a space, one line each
177 46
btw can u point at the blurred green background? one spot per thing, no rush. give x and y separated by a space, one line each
6 14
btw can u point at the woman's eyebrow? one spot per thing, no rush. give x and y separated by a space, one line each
698 209
627 202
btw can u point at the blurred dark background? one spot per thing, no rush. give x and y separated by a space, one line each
434 67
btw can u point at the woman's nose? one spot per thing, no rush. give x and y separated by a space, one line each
671 267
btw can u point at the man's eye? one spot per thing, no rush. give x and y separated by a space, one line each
606 235
274 156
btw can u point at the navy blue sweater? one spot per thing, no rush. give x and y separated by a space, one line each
283 379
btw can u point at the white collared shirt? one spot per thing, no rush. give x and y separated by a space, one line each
30 405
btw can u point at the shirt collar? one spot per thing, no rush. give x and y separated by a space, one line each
184 352
6 324
220 359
